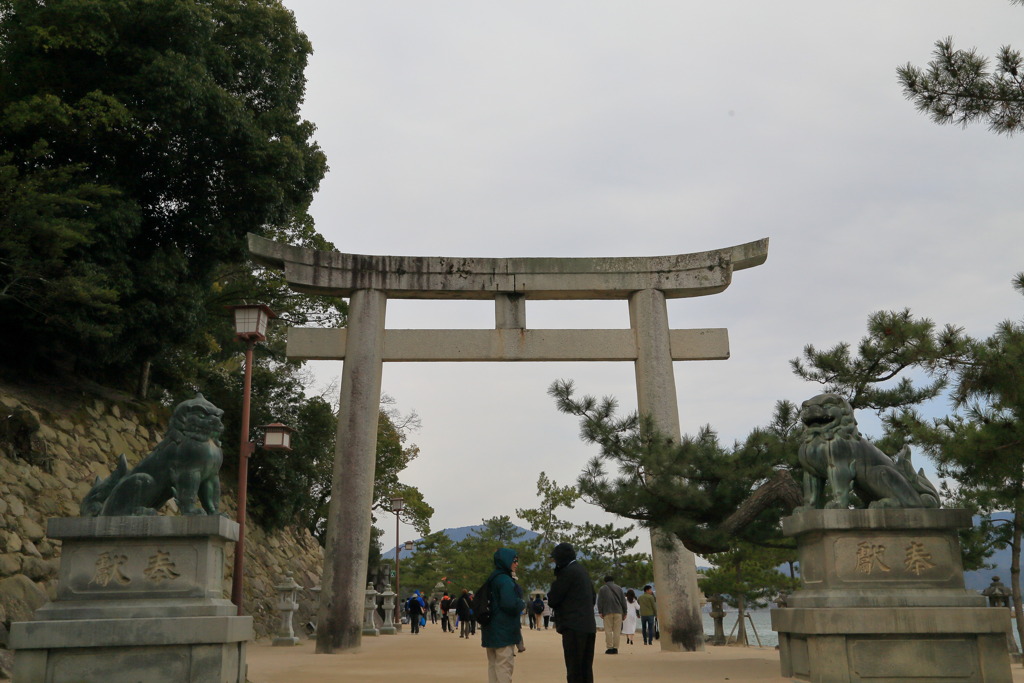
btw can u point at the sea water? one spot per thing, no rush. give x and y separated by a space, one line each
762 623
759 625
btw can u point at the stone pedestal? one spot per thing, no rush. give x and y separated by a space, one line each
138 599
883 600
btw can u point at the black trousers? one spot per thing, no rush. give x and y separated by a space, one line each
578 650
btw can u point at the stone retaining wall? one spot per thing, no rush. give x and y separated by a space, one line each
52 449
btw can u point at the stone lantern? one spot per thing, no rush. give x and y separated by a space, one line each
370 606
388 628
998 595
287 604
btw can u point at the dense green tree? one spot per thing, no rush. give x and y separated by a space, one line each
959 87
287 488
707 495
433 562
474 555
155 134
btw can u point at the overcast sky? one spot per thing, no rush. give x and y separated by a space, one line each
591 128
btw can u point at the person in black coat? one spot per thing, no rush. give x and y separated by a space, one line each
464 610
572 598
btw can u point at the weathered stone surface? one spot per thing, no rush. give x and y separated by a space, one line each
31 529
883 599
13 542
10 563
111 613
39 569
20 597
341 274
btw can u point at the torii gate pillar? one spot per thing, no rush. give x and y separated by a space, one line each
656 396
339 624
369 281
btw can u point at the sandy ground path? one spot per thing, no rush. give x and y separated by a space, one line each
435 656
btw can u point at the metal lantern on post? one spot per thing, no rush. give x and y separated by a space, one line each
250 327
277 437
397 504
251 321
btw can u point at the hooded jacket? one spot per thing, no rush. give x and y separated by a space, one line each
415 604
572 594
506 603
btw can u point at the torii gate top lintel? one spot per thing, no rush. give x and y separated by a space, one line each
428 277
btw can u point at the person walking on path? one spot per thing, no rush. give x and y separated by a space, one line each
433 610
463 609
416 608
648 612
504 631
632 616
536 609
547 614
572 598
446 604
611 607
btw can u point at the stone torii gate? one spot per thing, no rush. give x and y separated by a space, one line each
369 281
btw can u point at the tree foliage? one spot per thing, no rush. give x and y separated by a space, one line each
981 445
705 494
747 577
959 87
603 548
143 140
896 341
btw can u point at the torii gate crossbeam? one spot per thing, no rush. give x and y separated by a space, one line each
369 281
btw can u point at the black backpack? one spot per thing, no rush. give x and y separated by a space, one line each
482 604
538 606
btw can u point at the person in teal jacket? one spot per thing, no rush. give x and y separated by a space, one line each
501 636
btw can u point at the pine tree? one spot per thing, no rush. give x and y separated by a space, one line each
747 577
981 445
958 87
896 342
706 495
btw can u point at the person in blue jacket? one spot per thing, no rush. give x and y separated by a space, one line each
504 632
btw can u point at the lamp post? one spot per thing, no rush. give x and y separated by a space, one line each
397 504
250 326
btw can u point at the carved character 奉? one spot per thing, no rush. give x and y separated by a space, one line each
834 451
184 466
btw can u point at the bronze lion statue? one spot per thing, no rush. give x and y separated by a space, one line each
833 451
185 466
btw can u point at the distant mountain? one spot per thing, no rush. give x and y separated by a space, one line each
457 535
